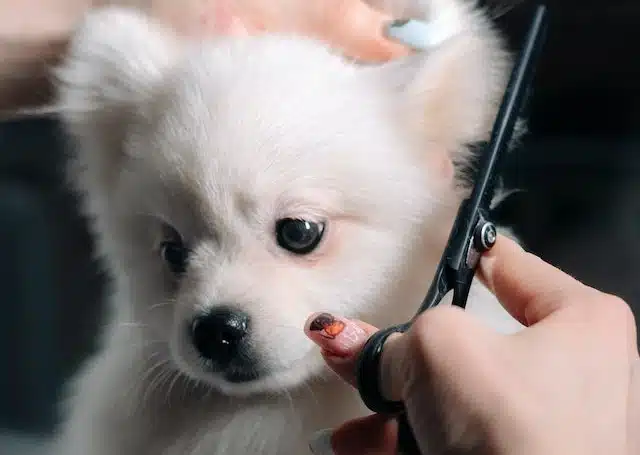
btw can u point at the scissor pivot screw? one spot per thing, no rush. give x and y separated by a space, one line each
485 236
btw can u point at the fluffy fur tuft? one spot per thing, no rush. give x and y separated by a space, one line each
212 143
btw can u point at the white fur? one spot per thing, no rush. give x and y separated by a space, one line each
220 139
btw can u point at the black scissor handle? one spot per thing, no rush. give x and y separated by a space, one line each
368 372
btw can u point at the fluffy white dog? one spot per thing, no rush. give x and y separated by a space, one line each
238 185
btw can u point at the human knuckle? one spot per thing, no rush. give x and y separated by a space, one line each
554 296
614 307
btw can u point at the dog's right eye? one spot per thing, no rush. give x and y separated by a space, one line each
175 254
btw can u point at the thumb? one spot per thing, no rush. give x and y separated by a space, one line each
371 435
529 288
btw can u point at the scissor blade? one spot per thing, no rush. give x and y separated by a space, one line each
454 271
508 114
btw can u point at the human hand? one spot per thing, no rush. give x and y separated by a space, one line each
350 26
569 383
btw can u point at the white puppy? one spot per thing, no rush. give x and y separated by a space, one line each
238 185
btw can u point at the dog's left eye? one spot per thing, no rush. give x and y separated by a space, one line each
298 236
175 254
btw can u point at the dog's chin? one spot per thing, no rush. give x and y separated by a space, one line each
254 382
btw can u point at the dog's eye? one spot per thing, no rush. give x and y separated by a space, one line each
175 255
298 236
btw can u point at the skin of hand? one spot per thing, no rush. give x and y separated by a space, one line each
568 383
351 26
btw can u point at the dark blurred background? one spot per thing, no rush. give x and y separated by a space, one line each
579 168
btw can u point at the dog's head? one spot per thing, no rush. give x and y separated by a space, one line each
237 186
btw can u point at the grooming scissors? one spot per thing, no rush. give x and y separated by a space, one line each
471 236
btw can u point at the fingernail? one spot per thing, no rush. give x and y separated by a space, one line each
320 442
408 32
337 336
421 35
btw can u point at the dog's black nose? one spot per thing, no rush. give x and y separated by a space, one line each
218 334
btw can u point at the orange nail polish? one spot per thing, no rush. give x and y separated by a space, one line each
327 326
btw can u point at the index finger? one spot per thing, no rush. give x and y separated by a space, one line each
341 341
529 288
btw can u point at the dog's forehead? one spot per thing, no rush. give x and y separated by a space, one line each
275 111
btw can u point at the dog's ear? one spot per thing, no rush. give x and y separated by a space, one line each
449 94
116 59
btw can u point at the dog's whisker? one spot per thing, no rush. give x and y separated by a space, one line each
149 371
152 355
497 9
146 344
288 327
292 406
177 376
132 324
156 382
145 375
161 305
313 396
169 379
192 386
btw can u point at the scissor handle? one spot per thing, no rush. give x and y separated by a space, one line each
368 372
